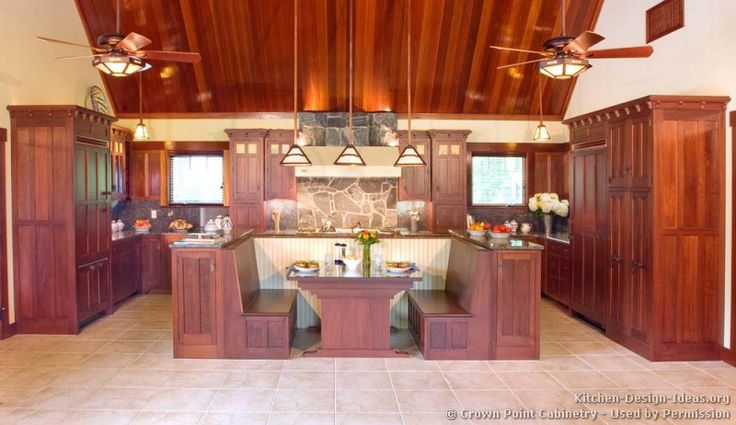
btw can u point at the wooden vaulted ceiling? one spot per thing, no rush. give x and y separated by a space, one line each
247 55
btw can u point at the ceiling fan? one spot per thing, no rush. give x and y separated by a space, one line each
120 55
566 57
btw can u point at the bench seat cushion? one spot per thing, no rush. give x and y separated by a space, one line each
436 303
271 301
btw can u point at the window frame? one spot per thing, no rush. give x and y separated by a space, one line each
169 174
524 171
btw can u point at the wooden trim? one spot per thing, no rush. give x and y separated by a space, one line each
181 146
6 329
226 178
729 355
514 148
289 115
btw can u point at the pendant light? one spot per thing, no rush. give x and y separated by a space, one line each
141 131
409 156
350 155
296 156
541 134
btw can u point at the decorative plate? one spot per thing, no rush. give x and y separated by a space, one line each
96 100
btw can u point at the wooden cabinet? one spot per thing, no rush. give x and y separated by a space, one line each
280 181
558 270
665 266
147 168
415 183
588 231
61 218
150 263
119 145
550 173
247 164
449 179
125 268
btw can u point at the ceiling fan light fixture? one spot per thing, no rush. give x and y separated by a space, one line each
563 67
349 156
409 158
118 65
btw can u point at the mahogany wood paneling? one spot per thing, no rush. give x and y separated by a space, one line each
61 201
449 179
454 70
557 284
119 146
730 354
195 301
150 263
125 268
5 331
415 183
147 174
280 182
247 179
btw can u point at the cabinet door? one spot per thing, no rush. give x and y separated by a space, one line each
165 278
280 181
640 154
518 287
449 216
618 219
93 289
92 201
118 149
551 173
619 157
195 290
248 216
150 256
146 174
638 234
247 171
124 268
415 182
448 172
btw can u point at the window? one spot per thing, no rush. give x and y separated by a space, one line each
497 180
196 179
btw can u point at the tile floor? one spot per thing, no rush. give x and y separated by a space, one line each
120 370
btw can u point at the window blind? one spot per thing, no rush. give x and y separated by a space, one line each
196 179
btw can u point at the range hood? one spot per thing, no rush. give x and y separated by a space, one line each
379 162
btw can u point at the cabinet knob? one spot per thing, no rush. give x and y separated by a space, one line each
616 259
639 264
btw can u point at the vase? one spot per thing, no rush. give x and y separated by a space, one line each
548 224
366 258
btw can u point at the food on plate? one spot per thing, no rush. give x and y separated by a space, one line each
142 223
398 264
501 228
306 264
180 224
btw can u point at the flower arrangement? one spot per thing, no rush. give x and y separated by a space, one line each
548 204
367 238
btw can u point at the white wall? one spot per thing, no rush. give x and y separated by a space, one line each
28 75
697 59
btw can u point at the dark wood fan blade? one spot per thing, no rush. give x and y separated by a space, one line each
521 50
621 53
520 63
61 58
171 56
584 42
69 43
133 42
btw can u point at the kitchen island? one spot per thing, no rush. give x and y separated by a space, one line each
214 288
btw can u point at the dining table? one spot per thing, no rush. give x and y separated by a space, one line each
355 308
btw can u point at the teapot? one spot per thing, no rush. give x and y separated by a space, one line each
210 227
526 228
227 225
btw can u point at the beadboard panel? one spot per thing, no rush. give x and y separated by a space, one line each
274 255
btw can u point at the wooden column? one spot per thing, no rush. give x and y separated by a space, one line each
729 355
5 329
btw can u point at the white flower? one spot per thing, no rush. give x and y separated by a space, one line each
562 210
545 197
533 205
547 207
566 202
554 196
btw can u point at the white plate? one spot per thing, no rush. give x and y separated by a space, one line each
398 270
142 229
477 232
500 235
305 270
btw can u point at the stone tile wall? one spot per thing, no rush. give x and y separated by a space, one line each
331 128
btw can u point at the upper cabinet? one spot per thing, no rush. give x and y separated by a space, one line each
551 173
247 166
280 181
147 170
449 179
120 139
415 183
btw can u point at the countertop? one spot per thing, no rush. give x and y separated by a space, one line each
294 234
514 242
128 234
224 241
563 237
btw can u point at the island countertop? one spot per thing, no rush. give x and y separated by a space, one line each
512 243
338 235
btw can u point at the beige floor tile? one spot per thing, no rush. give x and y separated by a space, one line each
307 380
637 379
97 417
410 364
516 365
547 399
146 335
279 418
612 362
240 400
311 364
646 364
180 399
433 419
529 381
43 343
580 380
84 377
429 380
60 360
119 398
167 418
368 419
556 363
362 380
204 364
109 361
366 401
690 378
590 348
258 365
488 400
360 364
196 379
17 358
36 377
709 365
155 361
426 401
126 347
37 416
128 378
81 346
153 325
474 381
162 347
109 324
17 396
251 379
234 418
316 401
553 349
100 335
463 366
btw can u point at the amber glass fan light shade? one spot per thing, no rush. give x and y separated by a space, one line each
296 156
562 68
118 65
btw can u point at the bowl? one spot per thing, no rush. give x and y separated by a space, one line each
352 263
500 235
142 229
477 232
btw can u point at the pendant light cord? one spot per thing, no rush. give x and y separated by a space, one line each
350 107
408 69
296 64
140 97
562 16
117 18
541 113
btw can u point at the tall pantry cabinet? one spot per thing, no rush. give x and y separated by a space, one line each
61 180
664 221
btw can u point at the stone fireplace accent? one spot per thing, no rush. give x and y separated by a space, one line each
368 201
331 128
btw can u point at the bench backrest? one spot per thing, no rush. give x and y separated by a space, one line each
246 270
468 275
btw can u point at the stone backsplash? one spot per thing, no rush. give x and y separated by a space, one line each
331 128
129 211
349 201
